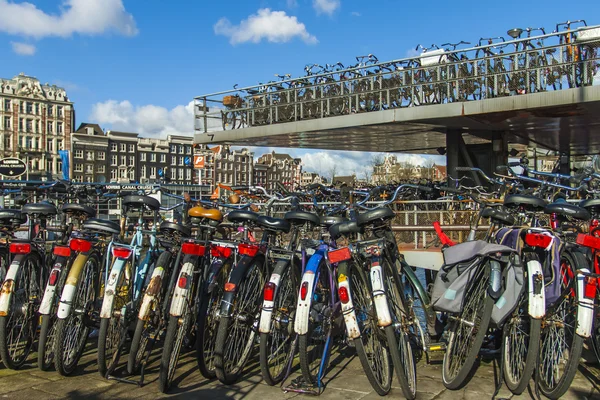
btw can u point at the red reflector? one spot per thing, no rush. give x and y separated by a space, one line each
53 277
538 240
219 251
193 249
20 248
304 290
588 241
269 293
248 249
229 287
343 293
80 245
182 282
591 285
335 256
121 252
63 251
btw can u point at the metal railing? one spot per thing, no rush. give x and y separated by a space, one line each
551 62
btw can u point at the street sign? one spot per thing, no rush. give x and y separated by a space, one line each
199 162
12 167
187 161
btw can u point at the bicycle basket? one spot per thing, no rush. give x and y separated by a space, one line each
232 101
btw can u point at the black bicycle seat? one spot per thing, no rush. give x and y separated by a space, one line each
240 216
138 202
302 217
372 216
172 227
45 209
274 224
102 226
78 209
568 210
530 203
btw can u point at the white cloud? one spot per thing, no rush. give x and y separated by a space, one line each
23 49
291 3
410 53
147 120
326 6
355 14
273 26
89 17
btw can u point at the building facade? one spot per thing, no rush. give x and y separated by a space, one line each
36 122
280 168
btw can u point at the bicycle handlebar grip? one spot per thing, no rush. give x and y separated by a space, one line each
450 190
514 164
425 189
464 169
241 187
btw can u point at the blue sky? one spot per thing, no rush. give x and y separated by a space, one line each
137 64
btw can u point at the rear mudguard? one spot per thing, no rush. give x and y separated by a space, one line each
152 291
49 293
352 328
8 286
303 305
68 292
181 292
535 288
585 307
384 318
237 275
114 277
264 326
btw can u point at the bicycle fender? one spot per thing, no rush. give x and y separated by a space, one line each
111 285
8 286
183 287
151 292
535 289
237 275
68 292
384 318
352 328
50 291
303 305
264 325
585 307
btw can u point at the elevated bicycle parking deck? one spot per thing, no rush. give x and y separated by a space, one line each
534 90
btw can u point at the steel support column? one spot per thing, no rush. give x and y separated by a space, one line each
453 140
499 150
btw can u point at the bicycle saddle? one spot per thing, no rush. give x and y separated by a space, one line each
139 202
242 216
343 228
102 226
529 203
568 210
46 209
373 216
592 205
498 215
329 220
302 217
9 217
78 209
172 228
274 224
209 213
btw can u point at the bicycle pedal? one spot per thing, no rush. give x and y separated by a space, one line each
435 353
436 347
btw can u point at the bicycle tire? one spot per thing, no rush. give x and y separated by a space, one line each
46 342
517 377
575 261
362 300
476 300
146 329
26 278
229 367
283 308
172 347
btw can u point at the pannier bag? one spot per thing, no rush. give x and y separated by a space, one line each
461 263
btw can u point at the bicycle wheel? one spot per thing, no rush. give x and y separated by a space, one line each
371 347
208 323
520 347
401 334
113 330
146 330
561 347
276 346
236 333
46 342
467 331
73 331
177 329
17 329
315 345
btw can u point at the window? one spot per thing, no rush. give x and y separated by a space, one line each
49 165
123 147
29 108
131 161
188 149
59 111
131 148
7 142
180 174
59 144
142 156
123 161
59 165
113 174
89 155
89 168
173 148
6 122
113 160
78 167
152 172
20 124
78 153
89 179
59 128
180 160
173 160
143 172
173 173
50 146
28 125
153 157
163 158
37 108
101 168
50 109
6 104
188 174
113 147
101 155
180 149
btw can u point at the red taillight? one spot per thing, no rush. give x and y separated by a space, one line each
554 221
193 249
80 245
343 293
220 251
229 287
304 290
590 286
121 252
182 282
588 241
538 240
20 248
63 251
336 256
269 293
248 249
53 277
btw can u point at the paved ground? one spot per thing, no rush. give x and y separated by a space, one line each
346 380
